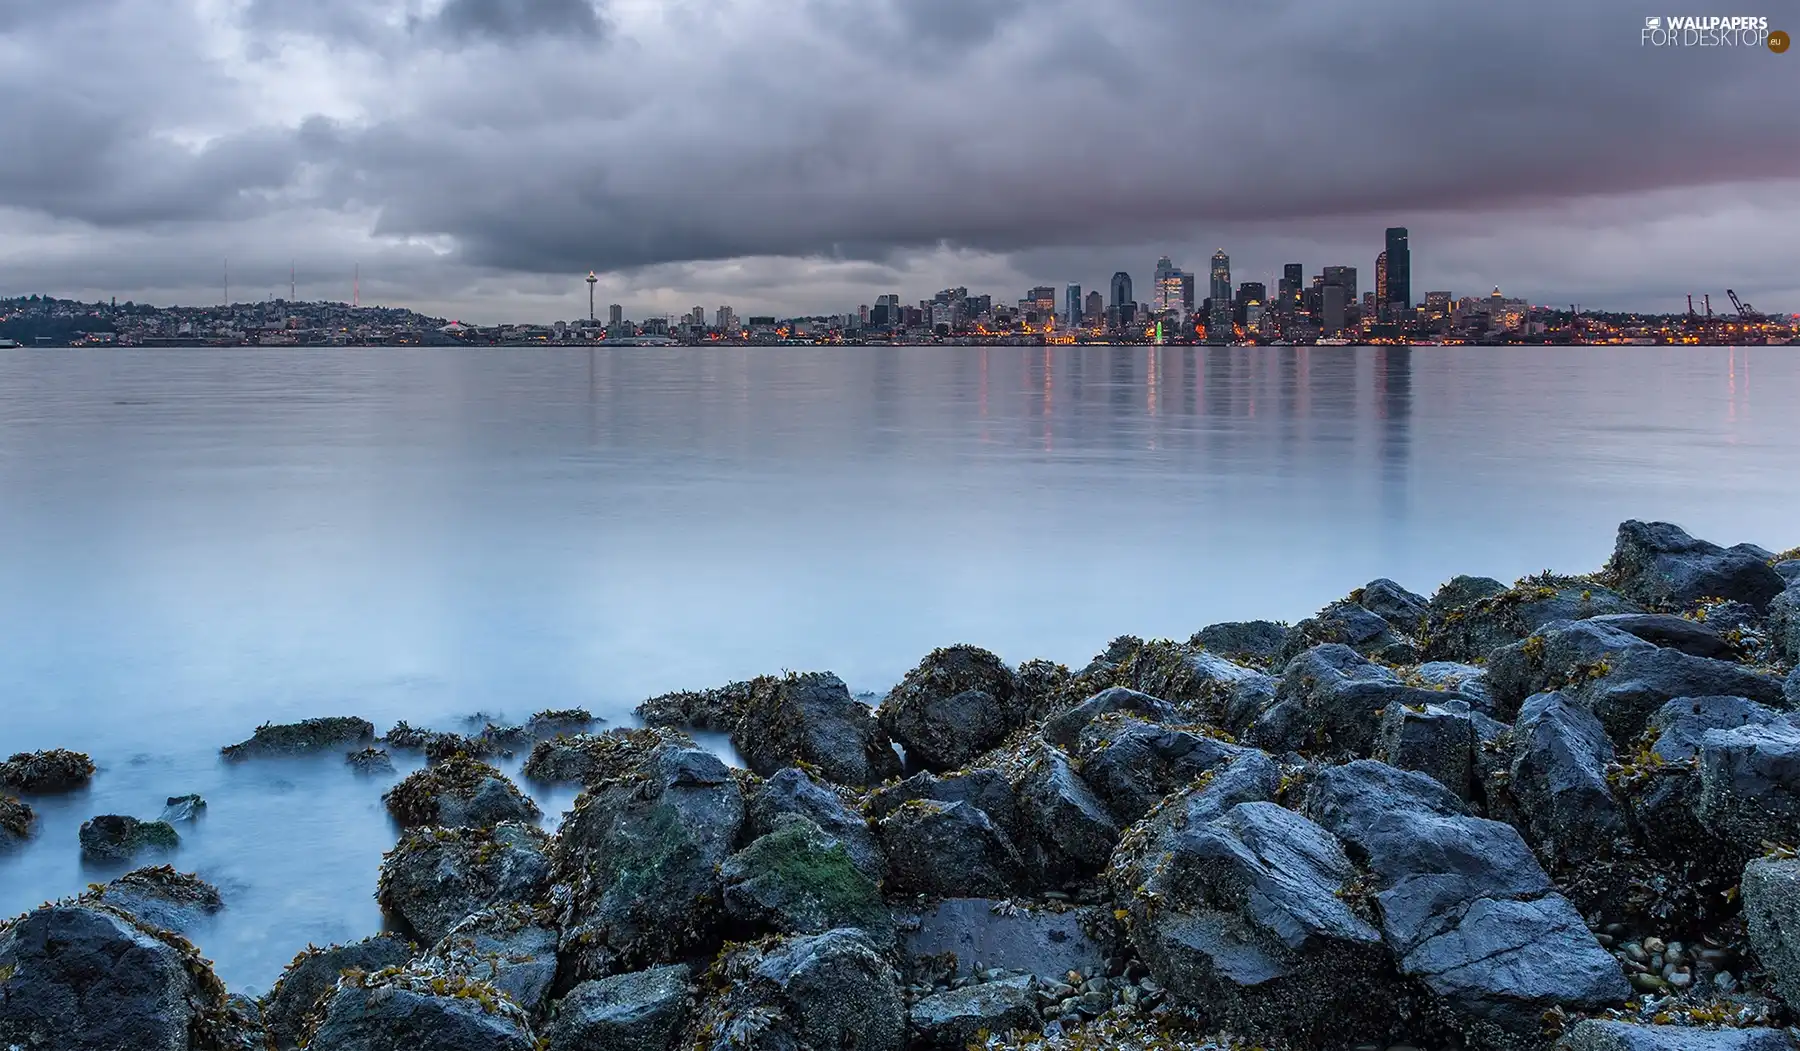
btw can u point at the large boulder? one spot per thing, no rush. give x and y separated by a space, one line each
642 854
1661 566
1065 729
1465 908
55 770
715 711
1558 782
1470 631
638 1011
792 792
826 992
1749 784
1640 682
289 1006
1249 918
1349 624
1199 683
959 702
1461 592
1677 633
161 897
1438 740
984 788
329 734
949 849
956 1018
1562 653
437 877
589 759
1784 623
510 947
1403 609
459 792
1595 1034
1331 699
797 880
111 838
1068 823
812 720
1658 782
1771 893
1468 680
417 1007
1132 764
981 934
1252 642
85 977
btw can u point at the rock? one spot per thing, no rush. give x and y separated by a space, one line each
1470 632
1248 917
301 738
1198 683
1784 623
1041 684
1068 823
791 791
959 702
984 788
437 745
945 849
510 947
1558 780
1749 784
812 719
955 1018
438 877
1676 633
1560 654
642 854
1598 1035
1065 729
1349 624
1253 642
1132 765
1771 895
1461 592
1660 565
1658 783
55 770
287 1008
589 759
797 880
1641 682
639 1011
978 934
1455 677
1790 689
115 837
1331 699
1437 740
15 819
415 1007
825 992
84 977
1394 604
161 897
714 711
554 722
1788 569
1464 906
183 809
370 762
458 793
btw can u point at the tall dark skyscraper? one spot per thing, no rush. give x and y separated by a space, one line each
1218 320
1399 273
1121 289
1292 282
1072 305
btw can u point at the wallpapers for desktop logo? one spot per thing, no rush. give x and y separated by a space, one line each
1707 31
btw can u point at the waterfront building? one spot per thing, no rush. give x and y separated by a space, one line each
1218 320
1248 292
1381 287
615 315
1096 307
1437 305
1291 278
1166 288
1121 290
1331 312
1399 273
1187 292
725 319
1343 277
1072 305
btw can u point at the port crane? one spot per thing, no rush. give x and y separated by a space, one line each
1743 308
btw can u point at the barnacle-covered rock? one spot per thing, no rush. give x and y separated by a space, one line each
288 1008
717 710
956 1018
15 819
956 704
1349 624
949 850
811 720
589 759
639 1011
437 877
54 770
1771 893
301 738
511 947
825 992
1660 565
1330 700
459 792
1132 764
1597 1034
1558 779
161 897
1560 654
1460 630
1069 825
416 1006
1437 740
1252 642
1639 682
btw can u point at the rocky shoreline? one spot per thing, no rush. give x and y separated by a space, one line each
1558 814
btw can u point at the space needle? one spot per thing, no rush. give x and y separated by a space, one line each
591 280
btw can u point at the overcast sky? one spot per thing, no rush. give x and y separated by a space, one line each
478 157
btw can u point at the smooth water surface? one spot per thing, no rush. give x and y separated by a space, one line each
195 542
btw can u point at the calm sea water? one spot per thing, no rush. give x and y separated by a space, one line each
194 542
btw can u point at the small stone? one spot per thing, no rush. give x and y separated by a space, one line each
1725 981
1679 979
183 808
1634 951
1654 945
1649 983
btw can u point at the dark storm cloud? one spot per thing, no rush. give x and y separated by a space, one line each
643 135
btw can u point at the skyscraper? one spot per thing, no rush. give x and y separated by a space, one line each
615 315
1121 289
1096 307
1187 292
1381 286
1399 274
1331 313
1166 292
1293 281
1248 292
1218 321
1072 305
1343 277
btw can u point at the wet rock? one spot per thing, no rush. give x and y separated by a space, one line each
415 1007
1660 565
458 793
510 947
959 702
1131 765
812 720
791 791
554 722
1788 569
1771 895
1464 906
55 770
1658 783
715 711
956 1018
1349 624
1676 633
1199 683
825 992
1331 699
434 743
301 738
1437 740
1068 823
183 809
1461 592
1639 683
640 1011
1749 784
83 977
1455 677
1394 604
1065 729
1558 780
642 855
370 762
589 759
161 897
1042 684
116 837
1784 623
1247 916
15 820
1252 642
314 973
1562 653
1599 1035
984 788
945 849
1470 632
437 877
797 880
978 934
1790 689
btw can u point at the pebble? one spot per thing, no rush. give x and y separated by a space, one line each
1654 945
1679 979
1635 951
1649 983
1725 981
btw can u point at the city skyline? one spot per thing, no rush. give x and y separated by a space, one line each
797 156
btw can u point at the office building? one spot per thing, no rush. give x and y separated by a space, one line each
1121 290
1249 292
1072 305
1343 277
1381 287
1331 312
615 315
1096 308
1437 305
1166 290
1187 292
1399 273
1292 284
1218 320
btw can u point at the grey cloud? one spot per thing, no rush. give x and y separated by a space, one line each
514 19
